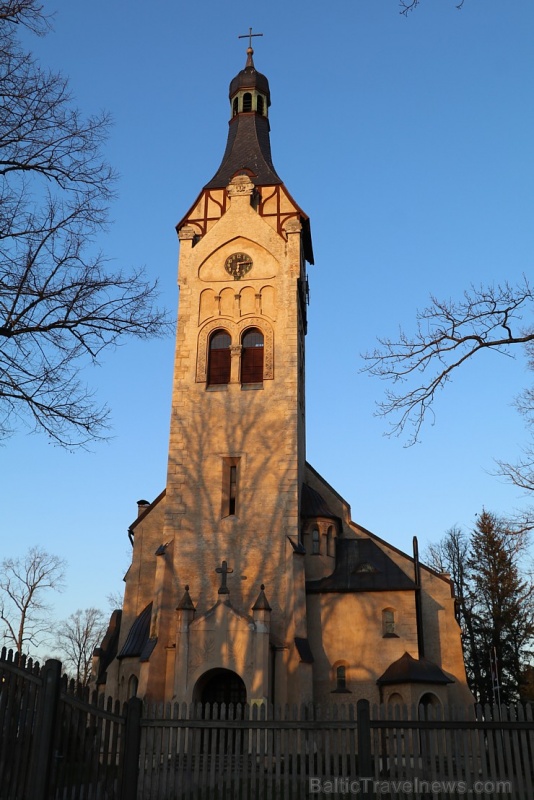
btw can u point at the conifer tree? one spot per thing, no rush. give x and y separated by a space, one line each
495 605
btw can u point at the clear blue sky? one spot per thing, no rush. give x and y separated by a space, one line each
409 142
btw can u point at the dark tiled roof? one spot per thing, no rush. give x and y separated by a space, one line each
148 647
408 669
298 547
248 150
361 566
313 504
304 650
250 78
108 649
138 636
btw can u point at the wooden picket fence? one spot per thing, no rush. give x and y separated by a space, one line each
59 743
198 753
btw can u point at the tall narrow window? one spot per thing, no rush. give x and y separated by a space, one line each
329 541
252 356
133 683
235 107
247 102
388 623
341 678
219 358
230 487
316 542
259 104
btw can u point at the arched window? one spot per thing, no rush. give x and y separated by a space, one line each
235 106
259 104
247 102
252 356
429 702
341 678
330 541
388 623
133 683
395 699
219 358
316 542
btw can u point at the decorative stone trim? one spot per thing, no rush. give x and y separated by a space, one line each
293 225
268 342
240 185
236 331
187 232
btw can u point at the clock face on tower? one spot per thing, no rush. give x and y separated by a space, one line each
237 265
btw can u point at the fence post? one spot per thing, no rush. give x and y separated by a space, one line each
132 744
365 765
42 750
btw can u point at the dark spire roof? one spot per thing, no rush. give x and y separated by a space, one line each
185 604
262 604
248 149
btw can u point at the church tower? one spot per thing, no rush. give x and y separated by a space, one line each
228 523
237 446
249 580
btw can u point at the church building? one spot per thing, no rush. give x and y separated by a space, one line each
249 580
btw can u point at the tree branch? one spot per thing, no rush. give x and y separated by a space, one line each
448 335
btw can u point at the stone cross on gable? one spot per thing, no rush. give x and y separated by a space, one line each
223 571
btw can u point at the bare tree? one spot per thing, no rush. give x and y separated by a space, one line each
28 13
115 600
24 585
60 304
76 639
451 555
450 334
409 5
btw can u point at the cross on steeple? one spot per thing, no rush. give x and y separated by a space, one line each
223 571
250 35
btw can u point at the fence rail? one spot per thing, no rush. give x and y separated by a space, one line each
59 743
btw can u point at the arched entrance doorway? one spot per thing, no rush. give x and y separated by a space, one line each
220 686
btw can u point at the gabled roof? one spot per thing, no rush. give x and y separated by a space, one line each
361 566
313 504
147 510
408 669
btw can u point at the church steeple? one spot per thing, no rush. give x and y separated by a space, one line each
248 149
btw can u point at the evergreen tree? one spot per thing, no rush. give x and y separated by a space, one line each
495 603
